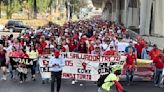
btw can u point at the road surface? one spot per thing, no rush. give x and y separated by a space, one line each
37 86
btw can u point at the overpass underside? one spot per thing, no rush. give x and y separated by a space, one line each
147 15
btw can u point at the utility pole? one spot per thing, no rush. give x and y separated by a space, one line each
35 9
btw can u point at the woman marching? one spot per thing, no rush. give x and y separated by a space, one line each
33 57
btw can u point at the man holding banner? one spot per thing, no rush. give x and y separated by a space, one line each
56 64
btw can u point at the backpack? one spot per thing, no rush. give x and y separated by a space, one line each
101 80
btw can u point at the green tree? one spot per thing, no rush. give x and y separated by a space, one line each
12 6
27 7
74 6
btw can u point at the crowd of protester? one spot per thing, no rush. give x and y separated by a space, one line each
85 36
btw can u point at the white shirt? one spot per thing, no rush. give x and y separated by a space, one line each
105 46
114 43
66 47
59 61
8 49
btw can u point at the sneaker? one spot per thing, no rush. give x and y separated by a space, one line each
7 70
43 82
13 77
3 78
73 82
81 84
33 79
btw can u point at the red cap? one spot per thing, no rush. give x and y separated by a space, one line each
56 53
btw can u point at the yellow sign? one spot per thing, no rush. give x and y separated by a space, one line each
144 63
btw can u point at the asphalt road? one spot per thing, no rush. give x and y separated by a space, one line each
37 86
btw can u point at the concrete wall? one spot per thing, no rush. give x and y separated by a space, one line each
159 18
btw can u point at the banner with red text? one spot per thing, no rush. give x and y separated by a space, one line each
89 67
82 66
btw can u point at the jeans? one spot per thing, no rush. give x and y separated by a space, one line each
56 76
158 76
129 75
33 68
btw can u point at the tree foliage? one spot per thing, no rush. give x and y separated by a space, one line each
41 6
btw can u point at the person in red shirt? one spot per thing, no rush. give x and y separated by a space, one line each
154 52
43 43
130 65
23 54
39 48
82 48
72 46
139 46
159 65
111 52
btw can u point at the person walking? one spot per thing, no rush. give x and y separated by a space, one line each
33 56
111 80
56 64
145 52
130 65
159 65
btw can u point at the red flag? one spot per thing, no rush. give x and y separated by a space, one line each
119 87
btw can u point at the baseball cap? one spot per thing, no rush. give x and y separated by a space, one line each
56 53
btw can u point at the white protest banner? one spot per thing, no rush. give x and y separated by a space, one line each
83 66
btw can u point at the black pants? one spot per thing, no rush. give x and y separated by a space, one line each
22 76
33 68
56 76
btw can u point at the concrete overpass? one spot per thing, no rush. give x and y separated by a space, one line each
147 15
